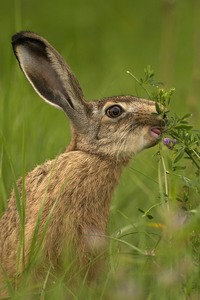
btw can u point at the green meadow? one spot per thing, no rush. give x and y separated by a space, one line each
154 227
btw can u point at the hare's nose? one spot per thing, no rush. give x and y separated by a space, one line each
164 122
165 118
166 111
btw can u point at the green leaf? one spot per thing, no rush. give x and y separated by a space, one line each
150 217
158 108
186 116
179 156
142 211
183 126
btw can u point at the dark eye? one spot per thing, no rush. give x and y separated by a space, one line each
114 111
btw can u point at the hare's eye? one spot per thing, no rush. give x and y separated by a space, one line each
114 111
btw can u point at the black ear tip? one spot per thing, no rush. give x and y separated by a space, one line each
17 36
21 35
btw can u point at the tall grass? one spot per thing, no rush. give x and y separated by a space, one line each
154 240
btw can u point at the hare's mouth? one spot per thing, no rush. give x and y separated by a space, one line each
157 129
156 132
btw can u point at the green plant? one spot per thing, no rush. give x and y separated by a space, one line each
179 136
175 254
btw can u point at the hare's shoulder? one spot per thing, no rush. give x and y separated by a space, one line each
22 187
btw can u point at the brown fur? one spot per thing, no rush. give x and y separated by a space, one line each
77 187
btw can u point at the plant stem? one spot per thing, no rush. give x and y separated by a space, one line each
166 189
188 152
140 83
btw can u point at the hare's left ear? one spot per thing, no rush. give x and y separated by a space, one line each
49 75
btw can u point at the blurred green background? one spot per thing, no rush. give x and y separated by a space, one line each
100 40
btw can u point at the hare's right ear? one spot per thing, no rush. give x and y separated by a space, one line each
49 75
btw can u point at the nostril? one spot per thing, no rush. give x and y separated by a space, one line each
166 111
164 116
164 119
163 124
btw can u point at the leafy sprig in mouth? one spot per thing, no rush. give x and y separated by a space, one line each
179 135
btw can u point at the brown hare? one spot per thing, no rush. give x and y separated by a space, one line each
69 197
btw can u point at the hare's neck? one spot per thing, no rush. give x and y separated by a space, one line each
90 184
95 178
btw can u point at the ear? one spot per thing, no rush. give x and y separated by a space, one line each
49 75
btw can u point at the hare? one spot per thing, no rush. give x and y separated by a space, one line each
72 193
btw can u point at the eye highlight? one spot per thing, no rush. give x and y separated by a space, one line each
114 111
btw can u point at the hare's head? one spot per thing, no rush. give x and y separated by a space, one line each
117 126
